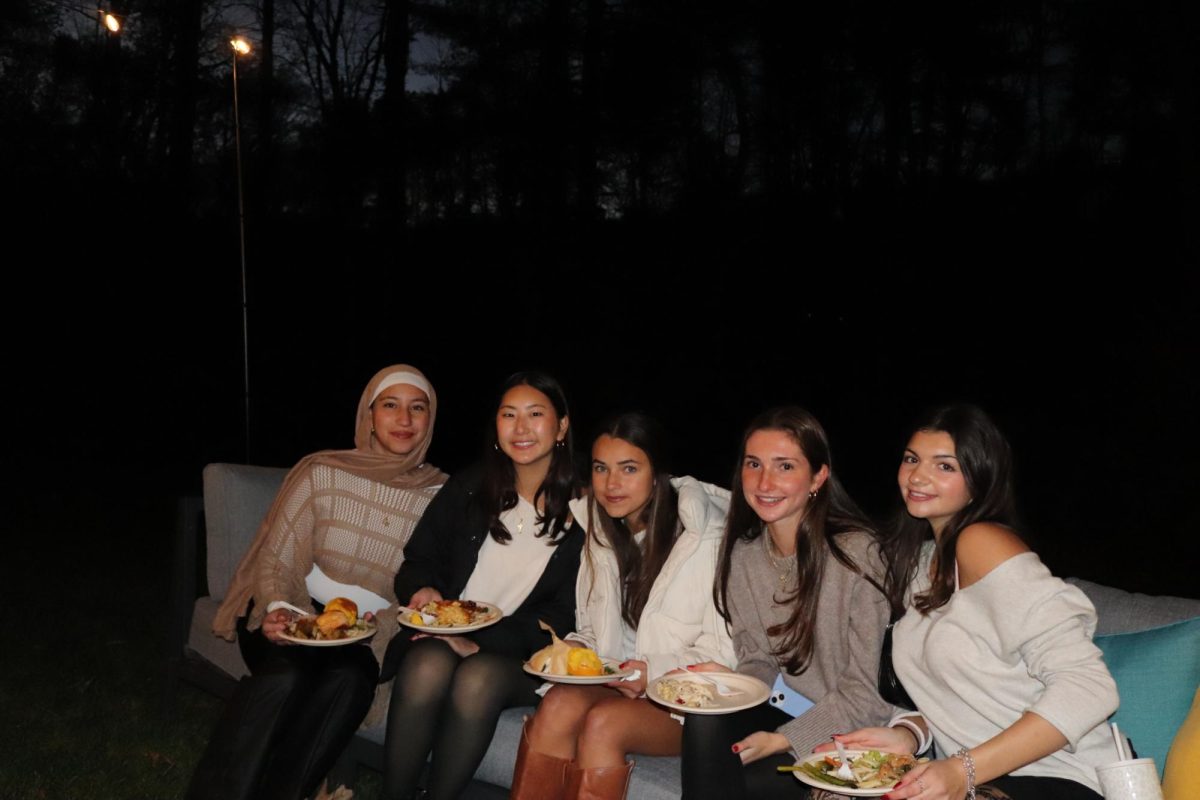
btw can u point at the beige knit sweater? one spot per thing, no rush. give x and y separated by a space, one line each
355 529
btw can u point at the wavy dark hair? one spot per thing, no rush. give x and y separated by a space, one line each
828 515
638 567
499 492
985 458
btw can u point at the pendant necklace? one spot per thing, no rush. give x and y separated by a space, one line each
784 569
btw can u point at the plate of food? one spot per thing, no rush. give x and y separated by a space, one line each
559 662
337 625
583 666
450 616
708 692
875 773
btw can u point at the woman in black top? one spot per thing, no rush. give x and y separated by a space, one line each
500 529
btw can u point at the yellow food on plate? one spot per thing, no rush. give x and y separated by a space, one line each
339 613
346 606
582 661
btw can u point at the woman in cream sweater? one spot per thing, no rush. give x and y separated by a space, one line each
995 651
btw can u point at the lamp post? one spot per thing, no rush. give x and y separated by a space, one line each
241 47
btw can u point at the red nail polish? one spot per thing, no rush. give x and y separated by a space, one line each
735 748
689 666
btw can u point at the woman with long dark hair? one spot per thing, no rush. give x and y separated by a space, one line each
994 650
644 595
337 528
500 532
799 583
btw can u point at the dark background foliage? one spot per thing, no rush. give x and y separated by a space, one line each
694 208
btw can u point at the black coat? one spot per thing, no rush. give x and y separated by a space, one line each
442 554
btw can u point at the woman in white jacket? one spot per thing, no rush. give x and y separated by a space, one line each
644 594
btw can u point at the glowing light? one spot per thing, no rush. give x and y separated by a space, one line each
240 45
112 23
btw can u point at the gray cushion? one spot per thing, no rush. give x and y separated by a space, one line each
236 498
203 642
1119 611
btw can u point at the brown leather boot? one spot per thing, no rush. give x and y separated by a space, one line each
598 783
537 776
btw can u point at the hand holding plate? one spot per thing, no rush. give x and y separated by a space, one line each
885 740
761 744
426 594
275 623
635 688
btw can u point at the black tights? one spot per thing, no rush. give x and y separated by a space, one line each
712 770
448 705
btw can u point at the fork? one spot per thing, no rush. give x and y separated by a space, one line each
722 689
843 771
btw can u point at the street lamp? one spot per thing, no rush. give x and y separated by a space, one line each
104 19
241 47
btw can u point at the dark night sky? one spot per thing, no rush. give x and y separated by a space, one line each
1060 293
1084 351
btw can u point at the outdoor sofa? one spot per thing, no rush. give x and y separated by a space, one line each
1152 643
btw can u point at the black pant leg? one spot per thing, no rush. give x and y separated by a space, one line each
240 747
341 687
712 771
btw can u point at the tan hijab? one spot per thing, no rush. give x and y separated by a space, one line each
369 459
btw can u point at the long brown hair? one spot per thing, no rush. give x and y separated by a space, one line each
985 458
831 513
638 567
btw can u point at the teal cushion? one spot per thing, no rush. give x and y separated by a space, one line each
1157 672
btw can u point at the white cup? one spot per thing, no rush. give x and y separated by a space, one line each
1135 779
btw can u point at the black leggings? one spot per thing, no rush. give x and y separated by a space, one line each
287 722
448 706
711 770
1023 787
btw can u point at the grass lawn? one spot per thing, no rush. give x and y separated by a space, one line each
80 696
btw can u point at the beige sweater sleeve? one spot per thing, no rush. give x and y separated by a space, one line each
286 557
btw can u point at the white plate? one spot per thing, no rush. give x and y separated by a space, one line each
753 691
584 680
494 615
830 787
368 633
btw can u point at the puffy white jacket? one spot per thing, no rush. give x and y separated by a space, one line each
679 625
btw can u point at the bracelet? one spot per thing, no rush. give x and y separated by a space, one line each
923 739
969 765
916 732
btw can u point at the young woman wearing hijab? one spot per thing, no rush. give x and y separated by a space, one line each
800 581
644 594
995 651
500 532
337 528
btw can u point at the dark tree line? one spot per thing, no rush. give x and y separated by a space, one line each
415 111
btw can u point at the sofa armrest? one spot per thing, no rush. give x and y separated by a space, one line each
1119 611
